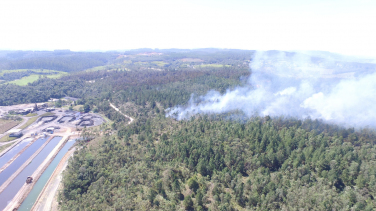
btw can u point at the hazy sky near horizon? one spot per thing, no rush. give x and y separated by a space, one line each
342 26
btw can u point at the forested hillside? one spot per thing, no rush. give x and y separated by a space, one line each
217 162
63 60
172 85
204 163
208 162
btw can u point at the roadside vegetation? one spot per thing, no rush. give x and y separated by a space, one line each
3 147
33 119
6 138
29 122
31 114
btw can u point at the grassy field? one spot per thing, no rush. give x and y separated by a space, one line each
33 119
31 114
29 122
160 63
6 138
6 125
77 107
214 65
35 70
2 148
105 118
31 78
142 63
98 68
108 68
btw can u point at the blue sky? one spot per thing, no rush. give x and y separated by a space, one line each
347 27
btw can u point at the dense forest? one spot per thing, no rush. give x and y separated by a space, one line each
62 60
172 86
207 162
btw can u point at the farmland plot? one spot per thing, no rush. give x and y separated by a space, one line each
6 125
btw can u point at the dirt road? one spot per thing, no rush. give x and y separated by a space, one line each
116 109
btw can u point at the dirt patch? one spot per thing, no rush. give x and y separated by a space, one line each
6 125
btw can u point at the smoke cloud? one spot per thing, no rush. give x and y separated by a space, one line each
300 85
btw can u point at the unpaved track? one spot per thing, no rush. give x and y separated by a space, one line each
26 188
116 109
47 199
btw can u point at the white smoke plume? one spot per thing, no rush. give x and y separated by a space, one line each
297 85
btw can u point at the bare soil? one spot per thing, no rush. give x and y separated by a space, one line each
6 125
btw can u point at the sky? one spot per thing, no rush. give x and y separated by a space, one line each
341 26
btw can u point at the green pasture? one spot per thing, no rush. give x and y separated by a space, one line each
160 63
2 72
108 68
31 78
31 114
6 138
77 107
98 68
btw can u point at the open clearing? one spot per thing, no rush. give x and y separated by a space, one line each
98 68
6 125
107 68
29 122
31 114
77 107
2 72
191 60
6 138
31 78
214 65
160 63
